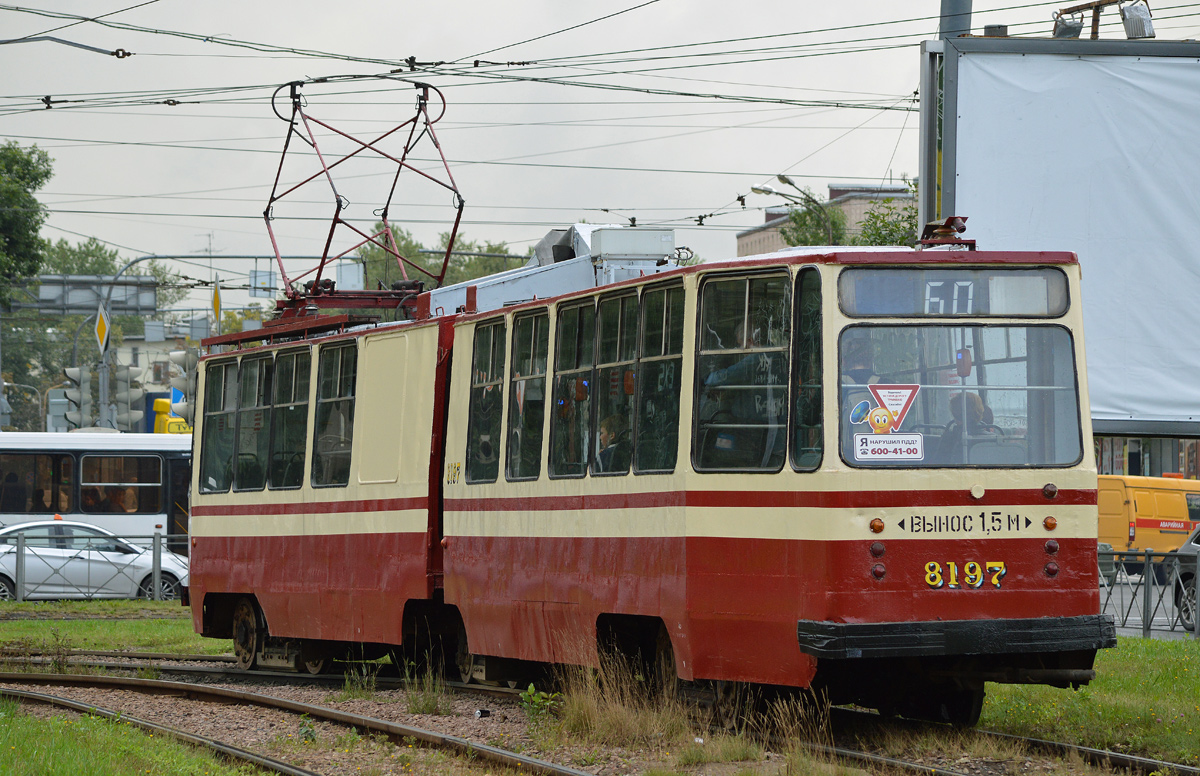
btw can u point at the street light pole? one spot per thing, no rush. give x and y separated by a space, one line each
811 200
806 199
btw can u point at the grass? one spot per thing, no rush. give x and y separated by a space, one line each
359 682
149 634
1145 700
614 707
718 749
70 745
426 692
100 607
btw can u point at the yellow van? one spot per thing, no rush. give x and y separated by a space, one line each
1140 513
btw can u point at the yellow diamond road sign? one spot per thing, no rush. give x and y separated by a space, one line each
102 328
216 301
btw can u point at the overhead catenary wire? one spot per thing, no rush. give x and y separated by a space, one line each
558 32
80 21
476 204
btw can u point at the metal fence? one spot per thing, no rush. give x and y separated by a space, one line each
1153 591
93 567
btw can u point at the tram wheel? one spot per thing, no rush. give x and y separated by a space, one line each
246 634
311 660
666 674
727 706
946 704
963 707
464 661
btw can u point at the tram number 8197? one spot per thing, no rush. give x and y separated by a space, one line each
972 577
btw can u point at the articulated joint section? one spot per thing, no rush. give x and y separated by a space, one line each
840 640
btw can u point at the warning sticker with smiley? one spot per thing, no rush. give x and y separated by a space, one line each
884 443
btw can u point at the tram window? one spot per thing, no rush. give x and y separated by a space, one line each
616 381
217 442
120 483
289 420
808 430
527 397
36 483
946 396
570 425
253 427
336 374
657 437
485 414
741 374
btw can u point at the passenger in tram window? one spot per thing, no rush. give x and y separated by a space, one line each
614 445
858 363
742 372
857 372
953 442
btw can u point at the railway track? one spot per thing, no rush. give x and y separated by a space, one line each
221 749
171 664
395 732
1101 758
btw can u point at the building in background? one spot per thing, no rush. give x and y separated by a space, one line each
853 201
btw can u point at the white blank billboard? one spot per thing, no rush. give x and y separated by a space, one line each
1047 146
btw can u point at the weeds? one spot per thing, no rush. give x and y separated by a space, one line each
426 691
149 672
615 706
308 734
59 651
539 706
359 682
719 749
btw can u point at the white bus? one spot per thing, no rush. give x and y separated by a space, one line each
134 485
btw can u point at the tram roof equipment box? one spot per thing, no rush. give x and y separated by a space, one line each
1087 146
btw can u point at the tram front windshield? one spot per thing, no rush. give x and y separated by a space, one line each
958 395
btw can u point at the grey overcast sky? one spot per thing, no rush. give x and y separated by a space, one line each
659 110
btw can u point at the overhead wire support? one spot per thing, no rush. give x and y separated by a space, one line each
303 124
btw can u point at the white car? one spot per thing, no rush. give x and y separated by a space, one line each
64 559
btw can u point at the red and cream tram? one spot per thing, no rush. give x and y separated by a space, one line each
863 470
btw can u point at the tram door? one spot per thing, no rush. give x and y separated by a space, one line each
179 476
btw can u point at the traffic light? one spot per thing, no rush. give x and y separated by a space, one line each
188 360
79 396
127 398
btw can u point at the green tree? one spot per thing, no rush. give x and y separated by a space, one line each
814 223
232 320
22 172
382 268
891 222
36 347
463 268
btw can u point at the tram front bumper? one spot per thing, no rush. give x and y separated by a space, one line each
839 640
